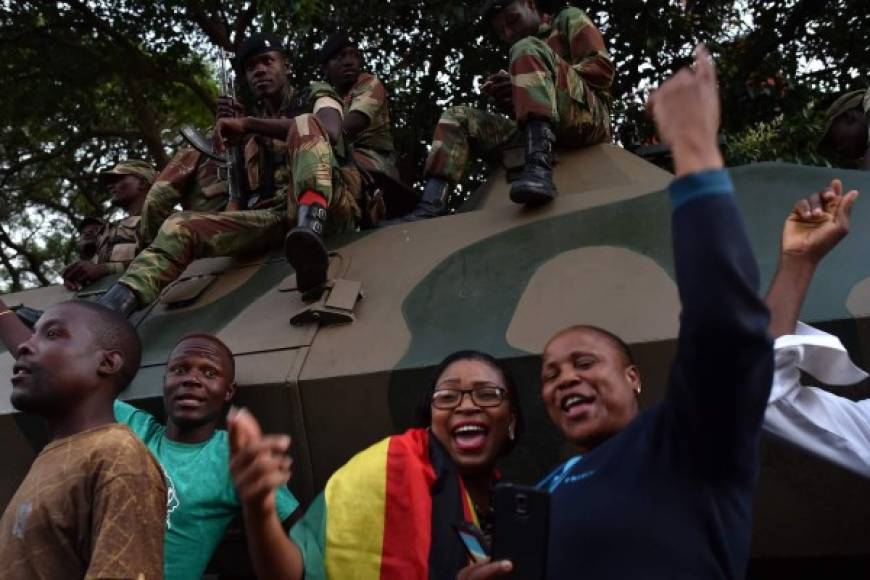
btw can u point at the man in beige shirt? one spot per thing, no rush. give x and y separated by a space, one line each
93 504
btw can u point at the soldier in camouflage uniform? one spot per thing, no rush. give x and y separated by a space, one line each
187 236
89 234
190 180
847 127
557 90
116 244
195 182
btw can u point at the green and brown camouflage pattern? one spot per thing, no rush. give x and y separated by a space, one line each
118 243
373 147
318 165
501 278
463 134
190 180
563 75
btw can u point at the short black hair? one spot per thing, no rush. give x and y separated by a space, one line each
614 340
217 342
424 407
113 332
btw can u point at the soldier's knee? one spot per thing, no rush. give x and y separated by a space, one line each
175 224
530 45
305 125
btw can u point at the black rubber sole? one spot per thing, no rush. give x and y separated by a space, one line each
533 196
307 254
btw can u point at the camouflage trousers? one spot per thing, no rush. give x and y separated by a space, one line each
188 236
314 166
188 180
544 87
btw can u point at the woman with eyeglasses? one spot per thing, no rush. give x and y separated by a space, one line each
390 511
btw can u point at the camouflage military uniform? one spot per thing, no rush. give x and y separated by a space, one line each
193 181
372 149
118 244
563 74
188 236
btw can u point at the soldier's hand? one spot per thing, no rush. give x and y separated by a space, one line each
258 463
498 87
228 131
817 223
485 570
686 113
229 107
82 273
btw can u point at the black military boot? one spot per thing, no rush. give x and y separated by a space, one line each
306 251
535 185
120 299
433 203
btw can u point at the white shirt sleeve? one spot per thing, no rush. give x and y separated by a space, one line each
834 428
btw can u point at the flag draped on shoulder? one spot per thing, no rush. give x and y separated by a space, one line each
388 514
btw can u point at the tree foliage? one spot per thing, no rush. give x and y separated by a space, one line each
87 82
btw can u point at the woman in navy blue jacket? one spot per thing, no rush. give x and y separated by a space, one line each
667 493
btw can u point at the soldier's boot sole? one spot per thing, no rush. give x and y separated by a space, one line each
307 253
533 192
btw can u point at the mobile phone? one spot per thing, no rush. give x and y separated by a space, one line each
522 524
473 541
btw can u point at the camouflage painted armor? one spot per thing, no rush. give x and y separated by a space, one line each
188 236
118 244
562 74
372 148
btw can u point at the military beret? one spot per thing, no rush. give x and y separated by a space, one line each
851 100
87 220
336 42
257 44
141 169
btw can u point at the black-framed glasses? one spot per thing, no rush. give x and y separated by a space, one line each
447 399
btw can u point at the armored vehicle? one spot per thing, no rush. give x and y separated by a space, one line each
501 278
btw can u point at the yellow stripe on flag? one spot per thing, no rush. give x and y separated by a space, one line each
355 508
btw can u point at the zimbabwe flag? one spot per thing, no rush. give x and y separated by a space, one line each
388 514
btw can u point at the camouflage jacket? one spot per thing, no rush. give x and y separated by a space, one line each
118 244
264 155
372 149
572 35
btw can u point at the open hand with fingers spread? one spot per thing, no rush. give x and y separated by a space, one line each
817 223
258 463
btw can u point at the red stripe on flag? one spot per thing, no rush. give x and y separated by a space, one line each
408 513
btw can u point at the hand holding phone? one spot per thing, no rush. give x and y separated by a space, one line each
522 524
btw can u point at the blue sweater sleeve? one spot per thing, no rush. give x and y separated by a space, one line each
721 377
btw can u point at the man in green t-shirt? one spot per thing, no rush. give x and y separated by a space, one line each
194 453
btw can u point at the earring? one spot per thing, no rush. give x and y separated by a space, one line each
511 434
637 392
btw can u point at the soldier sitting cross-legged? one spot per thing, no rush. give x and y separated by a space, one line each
557 90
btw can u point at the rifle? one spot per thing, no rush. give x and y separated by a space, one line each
234 165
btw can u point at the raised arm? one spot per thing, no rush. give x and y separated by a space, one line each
813 228
720 380
822 423
259 464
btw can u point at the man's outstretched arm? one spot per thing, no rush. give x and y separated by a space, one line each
813 228
259 464
826 425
